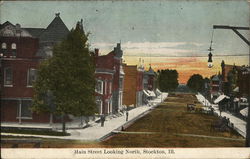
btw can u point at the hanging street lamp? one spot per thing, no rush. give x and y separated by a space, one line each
210 61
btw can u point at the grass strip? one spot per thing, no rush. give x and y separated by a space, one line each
33 132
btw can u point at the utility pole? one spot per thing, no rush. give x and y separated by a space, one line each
235 30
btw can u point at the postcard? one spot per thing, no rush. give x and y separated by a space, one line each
125 79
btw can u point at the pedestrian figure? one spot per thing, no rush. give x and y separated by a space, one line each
102 120
126 115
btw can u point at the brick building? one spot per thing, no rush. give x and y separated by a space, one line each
109 77
215 86
241 75
244 81
236 84
22 49
104 75
133 85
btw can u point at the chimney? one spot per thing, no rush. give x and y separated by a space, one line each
96 52
118 46
18 26
18 29
57 14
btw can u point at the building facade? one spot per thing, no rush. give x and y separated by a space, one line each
244 81
109 78
22 49
149 85
133 85
104 75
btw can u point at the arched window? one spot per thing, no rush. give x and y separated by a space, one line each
13 46
4 46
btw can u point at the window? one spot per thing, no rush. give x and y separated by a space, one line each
105 87
3 49
13 46
4 46
99 105
108 106
25 109
99 87
32 74
110 87
121 83
8 81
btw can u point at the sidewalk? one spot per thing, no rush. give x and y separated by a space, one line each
240 125
95 131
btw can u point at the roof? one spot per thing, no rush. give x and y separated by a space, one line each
146 93
5 24
55 31
244 112
151 93
220 98
10 30
158 92
105 61
236 89
35 32
118 51
236 99
216 78
150 71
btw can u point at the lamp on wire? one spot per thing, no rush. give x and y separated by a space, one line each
210 60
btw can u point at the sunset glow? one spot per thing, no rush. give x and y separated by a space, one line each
187 66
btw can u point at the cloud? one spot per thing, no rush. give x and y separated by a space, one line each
152 49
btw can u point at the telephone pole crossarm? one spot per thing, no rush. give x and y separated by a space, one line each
235 30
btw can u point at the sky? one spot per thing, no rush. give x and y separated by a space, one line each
166 34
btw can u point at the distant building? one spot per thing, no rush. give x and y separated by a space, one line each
149 85
215 87
236 84
133 85
227 75
244 81
149 79
22 49
109 77
242 78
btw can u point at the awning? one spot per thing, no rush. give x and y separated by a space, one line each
151 93
243 99
220 98
146 93
236 99
244 112
158 91
236 89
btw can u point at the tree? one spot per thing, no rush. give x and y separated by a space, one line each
167 80
196 83
65 83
